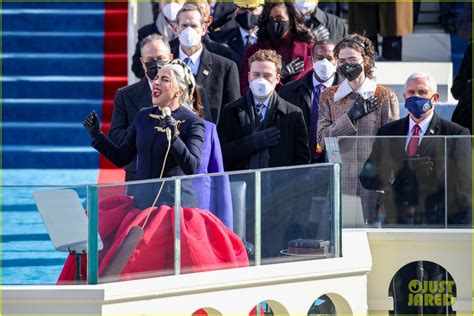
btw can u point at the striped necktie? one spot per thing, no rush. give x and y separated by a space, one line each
259 109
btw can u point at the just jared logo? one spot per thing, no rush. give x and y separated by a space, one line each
430 293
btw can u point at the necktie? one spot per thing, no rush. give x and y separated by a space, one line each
259 110
314 121
247 40
187 61
414 140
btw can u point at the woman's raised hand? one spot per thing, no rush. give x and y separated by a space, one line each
91 124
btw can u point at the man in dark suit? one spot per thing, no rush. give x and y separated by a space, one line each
412 170
162 25
155 51
262 130
322 24
462 91
245 34
222 10
305 92
218 75
270 135
213 46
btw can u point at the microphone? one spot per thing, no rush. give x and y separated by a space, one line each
166 111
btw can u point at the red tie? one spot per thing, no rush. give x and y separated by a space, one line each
413 143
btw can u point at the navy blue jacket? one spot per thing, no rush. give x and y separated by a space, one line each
149 145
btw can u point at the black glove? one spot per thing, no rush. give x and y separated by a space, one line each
362 107
423 167
91 124
170 123
292 68
405 187
267 138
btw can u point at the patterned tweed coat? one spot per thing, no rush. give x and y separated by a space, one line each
333 122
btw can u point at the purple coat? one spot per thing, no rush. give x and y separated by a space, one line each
213 192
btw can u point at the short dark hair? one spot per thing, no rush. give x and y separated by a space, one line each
322 42
154 37
189 7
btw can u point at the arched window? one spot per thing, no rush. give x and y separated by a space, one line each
422 288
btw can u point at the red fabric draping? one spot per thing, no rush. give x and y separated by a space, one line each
206 243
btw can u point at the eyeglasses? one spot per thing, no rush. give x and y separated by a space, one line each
350 60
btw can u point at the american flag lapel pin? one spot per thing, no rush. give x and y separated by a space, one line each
205 72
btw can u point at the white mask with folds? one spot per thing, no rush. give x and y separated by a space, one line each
324 69
306 7
189 37
261 88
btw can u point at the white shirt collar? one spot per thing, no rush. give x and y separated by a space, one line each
366 90
265 103
244 33
150 83
194 57
423 125
328 83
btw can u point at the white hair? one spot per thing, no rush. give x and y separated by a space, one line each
428 78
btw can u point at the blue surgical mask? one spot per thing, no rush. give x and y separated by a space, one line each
418 106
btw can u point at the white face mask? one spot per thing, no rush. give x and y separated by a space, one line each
324 69
261 88
171 9
306 7
189 37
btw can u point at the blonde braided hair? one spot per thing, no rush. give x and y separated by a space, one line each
185 80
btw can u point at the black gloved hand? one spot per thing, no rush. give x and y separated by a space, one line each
292 68
362 107
170 123
91 124
405 187
423 166
267 138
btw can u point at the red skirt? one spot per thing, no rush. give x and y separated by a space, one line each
206 243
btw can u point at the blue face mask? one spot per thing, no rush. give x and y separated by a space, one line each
418 106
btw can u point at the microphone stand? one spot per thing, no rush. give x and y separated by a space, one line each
78 273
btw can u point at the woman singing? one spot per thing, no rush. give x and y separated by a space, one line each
147 138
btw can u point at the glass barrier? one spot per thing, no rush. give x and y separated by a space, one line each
107 233
227 220
383 187
28 254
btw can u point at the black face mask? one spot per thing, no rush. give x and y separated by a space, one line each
247 20
276 29
152 68
350 71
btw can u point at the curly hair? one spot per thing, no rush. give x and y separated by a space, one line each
267 55
364 46
297 27
197 102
